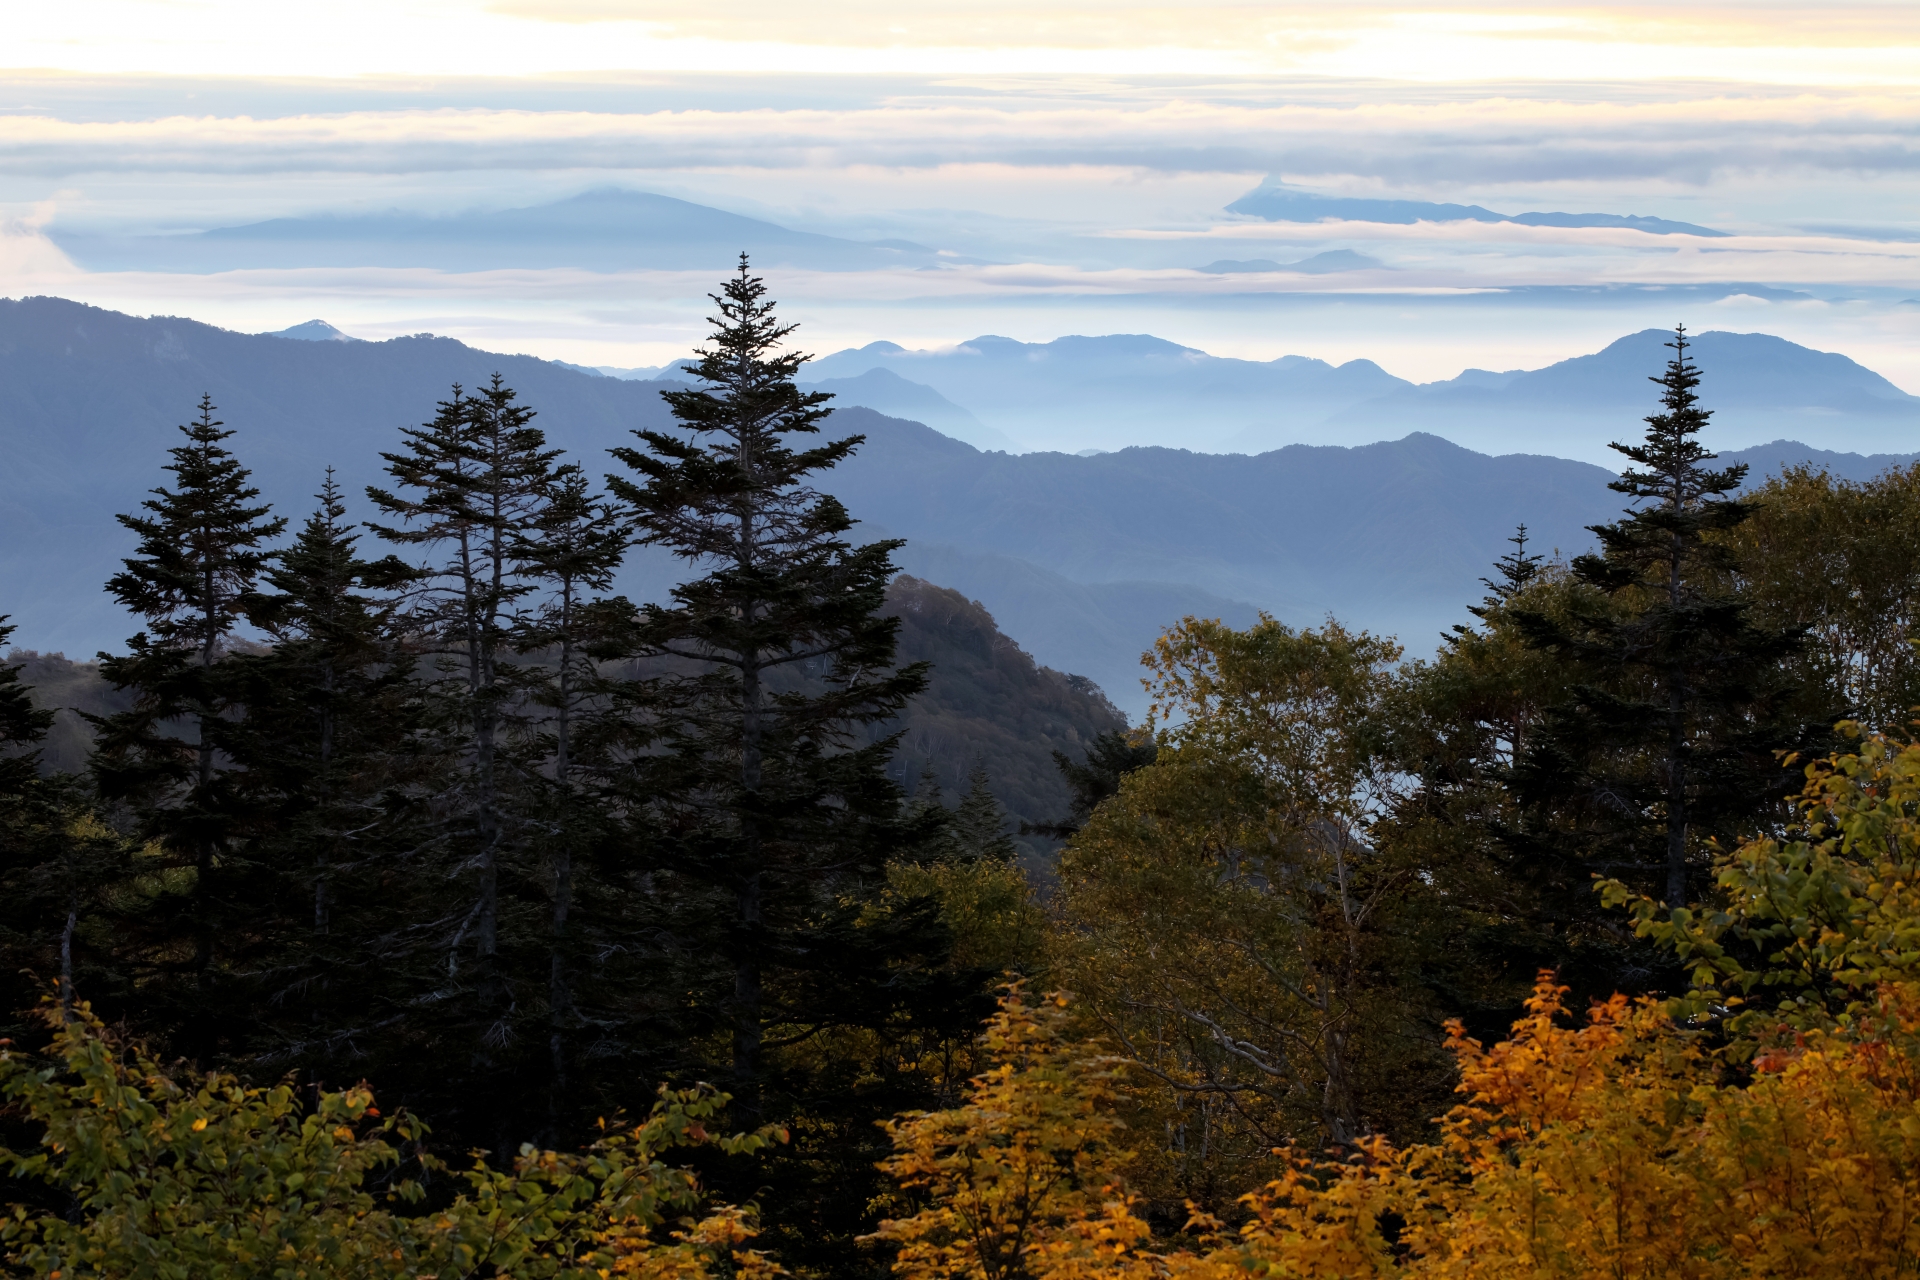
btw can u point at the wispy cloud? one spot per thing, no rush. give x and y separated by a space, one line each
1429 145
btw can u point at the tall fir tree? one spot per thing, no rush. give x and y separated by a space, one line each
203 546
23 727
1517 568
329 749
762 818
477 480
1679 702
749 752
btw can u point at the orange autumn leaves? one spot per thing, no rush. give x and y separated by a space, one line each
1612 1148
1613 1142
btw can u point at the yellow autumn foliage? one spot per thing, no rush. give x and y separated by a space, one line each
1618 1143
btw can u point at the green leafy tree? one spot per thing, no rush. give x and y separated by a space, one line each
1236 925
141 1170
203 546
1841 559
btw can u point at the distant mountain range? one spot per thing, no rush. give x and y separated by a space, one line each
1134 389
608 230
1122 389
617 229
1082 560
1277 202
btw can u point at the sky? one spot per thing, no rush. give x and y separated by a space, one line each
1072 162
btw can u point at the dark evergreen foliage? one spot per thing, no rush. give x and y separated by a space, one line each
25 815
331 742
979 825
742 764
203 547
1112 756
1679 702
22 728
475 482
1517 568
573 549
759 802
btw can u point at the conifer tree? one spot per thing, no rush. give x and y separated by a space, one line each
761 817
327 748
203 546
979 825
747 759
23 727
24 818
1111 756
478 478
1517 568
1678 704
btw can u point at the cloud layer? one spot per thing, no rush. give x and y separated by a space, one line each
1422 145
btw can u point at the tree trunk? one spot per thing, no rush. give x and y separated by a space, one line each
66 958
559 999
1676 738
749 875
748 906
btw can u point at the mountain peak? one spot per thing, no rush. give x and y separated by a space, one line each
313 331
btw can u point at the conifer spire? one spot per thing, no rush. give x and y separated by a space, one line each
744 761
202 548
1673 732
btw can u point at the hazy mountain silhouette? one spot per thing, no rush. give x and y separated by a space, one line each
607 230
1760 388
313 331
1120 389
885 391
1277 202
1328 263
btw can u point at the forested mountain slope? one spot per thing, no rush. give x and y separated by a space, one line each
989 705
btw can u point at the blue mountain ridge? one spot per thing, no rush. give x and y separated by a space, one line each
1133 389
1277 202
605 230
